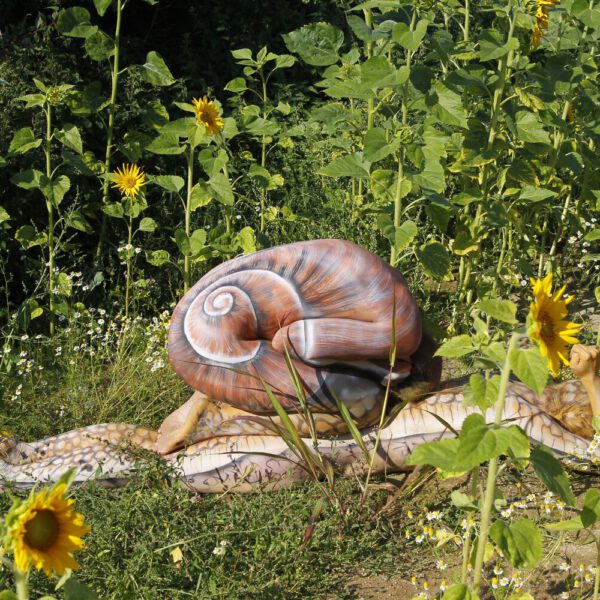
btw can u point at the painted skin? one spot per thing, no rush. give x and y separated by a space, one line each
329 304
245 463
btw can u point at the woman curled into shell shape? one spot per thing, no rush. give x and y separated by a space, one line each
329 303
334 308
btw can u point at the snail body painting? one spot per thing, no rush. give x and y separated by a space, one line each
331 306
332 310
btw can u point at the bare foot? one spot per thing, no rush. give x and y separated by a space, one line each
179 425
584 363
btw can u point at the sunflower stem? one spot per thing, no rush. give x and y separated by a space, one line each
50 209
128 255
21 585
188 212
111 122
488 500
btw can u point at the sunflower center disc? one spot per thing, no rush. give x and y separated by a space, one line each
42 530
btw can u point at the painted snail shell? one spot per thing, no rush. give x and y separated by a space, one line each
330 303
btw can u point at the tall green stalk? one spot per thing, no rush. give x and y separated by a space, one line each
21 585
488 500
111 123
263 152
128 256
398 203
188 213
50 210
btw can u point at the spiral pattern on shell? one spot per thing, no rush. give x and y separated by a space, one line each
329 303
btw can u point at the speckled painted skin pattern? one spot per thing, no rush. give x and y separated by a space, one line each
329 302
244 463
331 305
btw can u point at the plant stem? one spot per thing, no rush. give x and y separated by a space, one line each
398 203
263 153
188 212
111 123
21 585
50 209
467 20
488 500
369 51
597 575
129 249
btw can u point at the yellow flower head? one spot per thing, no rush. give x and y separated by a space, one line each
541 16
548 327
207 114
44 531
129 180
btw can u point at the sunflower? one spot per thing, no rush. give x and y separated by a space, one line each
207 114
129 180
44 531
541 16
548 326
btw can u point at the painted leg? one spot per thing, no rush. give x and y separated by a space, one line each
346 341
22 453
201 419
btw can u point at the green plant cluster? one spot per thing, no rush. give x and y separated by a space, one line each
436 129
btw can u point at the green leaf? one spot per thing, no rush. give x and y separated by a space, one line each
4 216
351 165
459 345
99 46
477 444
221 186
503 310
530 128
532 193
284 61
158 258
376 146
75 590
23 141
33 100
492 45
171 183
400 237
155 71
70 137
237 85
530 367
29 237
447 106
440 454
246 240
192 245
434 258
28 180
75 22
9 595
481 392
377 72
102 6
520 542
459 591
148 225
77 221
55 189
201 196
593 235
114 210
166 143
316 43
411 40
552 474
